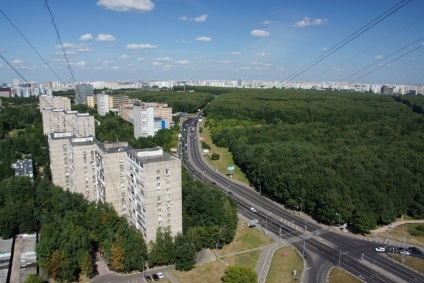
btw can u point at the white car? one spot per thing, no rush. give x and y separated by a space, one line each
252 209
404 252
380 249
160 275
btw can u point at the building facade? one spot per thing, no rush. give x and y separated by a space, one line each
61 102
59 120
154 192
143 115
143 185
81 93
102 104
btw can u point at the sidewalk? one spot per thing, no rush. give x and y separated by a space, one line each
384 228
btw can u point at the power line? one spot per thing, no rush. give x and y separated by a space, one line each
368 48
400 49
46 5
348 39
31 45
19 74
403 55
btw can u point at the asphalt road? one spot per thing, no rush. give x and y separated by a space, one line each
322 247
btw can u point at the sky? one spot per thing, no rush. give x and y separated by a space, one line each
271 40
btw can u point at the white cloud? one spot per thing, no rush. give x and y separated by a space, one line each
17 62
203 38
140 46
324 49
262 54
181 41
85 49
306 22
201 18
80 64
115 68
267 22
127 5
225 61
107 62
66 45
245 68
140 59
183 18
235 53
163 59
182 62
156 63
86 36
259 32
105 37
124 57
379 57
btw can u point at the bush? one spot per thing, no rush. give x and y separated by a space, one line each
215 156
205 145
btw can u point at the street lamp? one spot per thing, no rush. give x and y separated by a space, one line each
301 204
260 189
337 214
266 221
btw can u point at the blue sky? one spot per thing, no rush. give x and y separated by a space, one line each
211 40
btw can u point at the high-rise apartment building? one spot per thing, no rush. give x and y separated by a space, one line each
81 93
91 101
115 101
59 120
102 104
143 185
163 111
154 191
47 101
143 116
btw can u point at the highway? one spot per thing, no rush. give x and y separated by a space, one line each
321 247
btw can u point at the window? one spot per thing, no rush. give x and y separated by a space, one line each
157 172
158 198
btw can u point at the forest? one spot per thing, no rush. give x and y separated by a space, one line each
350 157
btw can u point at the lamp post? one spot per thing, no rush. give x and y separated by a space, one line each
266 221
260 189
338 214
301 204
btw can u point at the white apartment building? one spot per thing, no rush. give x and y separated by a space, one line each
154 191
143 185
55 102
59 120
102 104
143 116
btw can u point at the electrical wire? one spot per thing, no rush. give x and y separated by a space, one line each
403 55
46 5
400 49
368 48
39 55
19 74
348 39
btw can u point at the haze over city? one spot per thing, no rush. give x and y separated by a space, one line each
188 40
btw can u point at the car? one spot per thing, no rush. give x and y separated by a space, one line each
404 252
160 275
213 183
148 278
155 277
230 193
252 209
380 249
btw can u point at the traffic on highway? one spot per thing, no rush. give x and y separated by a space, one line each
321 247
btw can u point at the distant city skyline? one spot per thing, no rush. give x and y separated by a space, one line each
214 40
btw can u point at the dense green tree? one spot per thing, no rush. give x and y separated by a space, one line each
185 253
162 252
239 274
34 278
